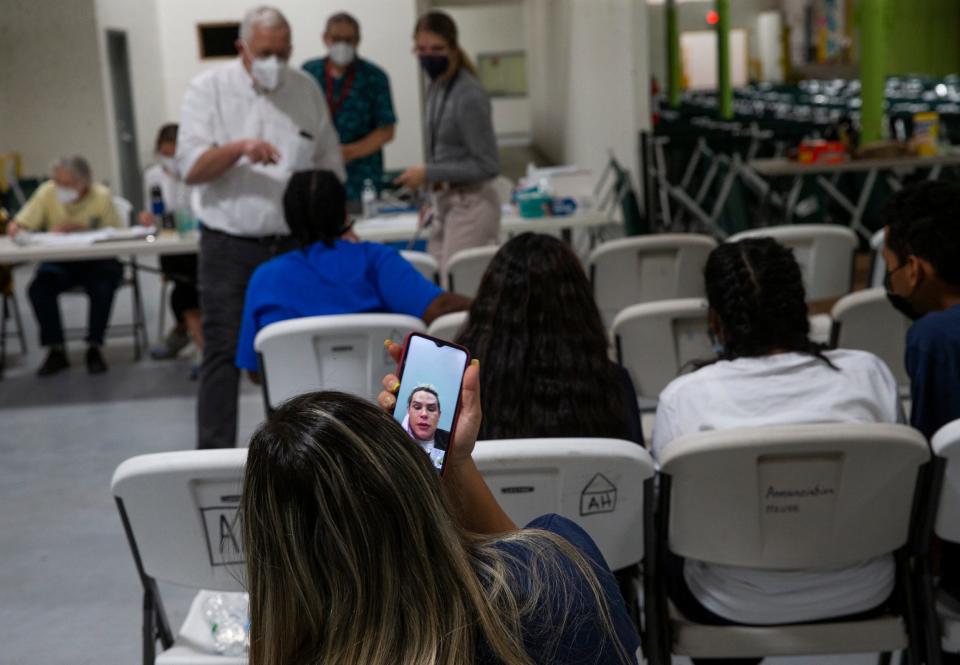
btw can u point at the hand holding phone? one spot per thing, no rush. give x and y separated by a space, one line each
457 409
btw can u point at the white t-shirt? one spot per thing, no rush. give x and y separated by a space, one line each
222 105
783 389
176 193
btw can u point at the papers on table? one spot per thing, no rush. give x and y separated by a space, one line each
82 238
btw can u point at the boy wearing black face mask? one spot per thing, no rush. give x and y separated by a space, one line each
922 253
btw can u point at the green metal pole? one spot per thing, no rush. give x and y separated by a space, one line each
674 69
723 59
874 22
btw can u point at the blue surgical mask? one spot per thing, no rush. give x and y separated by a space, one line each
434 65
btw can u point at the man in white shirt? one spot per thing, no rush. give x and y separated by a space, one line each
245 128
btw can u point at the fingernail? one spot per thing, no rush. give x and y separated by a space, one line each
387 342
394 386
475 362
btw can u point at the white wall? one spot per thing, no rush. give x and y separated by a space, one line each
51 87
146 73
589 80
497 27
386 32
691 16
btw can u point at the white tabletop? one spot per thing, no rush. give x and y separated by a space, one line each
380 229
788 167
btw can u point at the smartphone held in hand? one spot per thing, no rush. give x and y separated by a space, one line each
428 401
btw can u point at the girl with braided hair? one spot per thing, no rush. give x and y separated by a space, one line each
768 373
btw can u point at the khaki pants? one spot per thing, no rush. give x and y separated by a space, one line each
464 216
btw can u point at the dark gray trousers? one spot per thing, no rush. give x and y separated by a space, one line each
226 264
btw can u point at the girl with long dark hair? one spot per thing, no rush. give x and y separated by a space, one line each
770 373
546 367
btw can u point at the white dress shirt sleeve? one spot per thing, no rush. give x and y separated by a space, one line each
197 123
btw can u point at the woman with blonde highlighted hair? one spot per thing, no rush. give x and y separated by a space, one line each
356 553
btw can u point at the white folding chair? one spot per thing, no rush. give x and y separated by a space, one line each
878 265
597 483
943 609
865 320
656 340
800 497
824 252
447 326
180 514
338 352
643 269
465 269
425 264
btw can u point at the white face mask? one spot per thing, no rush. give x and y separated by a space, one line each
342 53
169 165
268 72
66 195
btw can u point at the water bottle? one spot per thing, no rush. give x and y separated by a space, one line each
369 198
229 617
156 202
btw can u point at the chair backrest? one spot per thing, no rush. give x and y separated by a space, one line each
447 326
946 444
339 352
824 252
182 510
865 320
792 497
425 264
643 269
878 265
656 340
597 483
465 269
124 210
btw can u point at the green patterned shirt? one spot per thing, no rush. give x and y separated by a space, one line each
366 107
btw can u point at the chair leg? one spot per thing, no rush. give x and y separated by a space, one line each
21 333
139 320
149 628
162 313
884 658
3 335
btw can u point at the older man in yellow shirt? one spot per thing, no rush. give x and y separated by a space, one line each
70 201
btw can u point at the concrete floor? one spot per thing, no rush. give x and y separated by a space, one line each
69 593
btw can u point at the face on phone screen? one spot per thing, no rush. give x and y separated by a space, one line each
429 394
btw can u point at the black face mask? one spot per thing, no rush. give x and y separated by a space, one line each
434 65
899 303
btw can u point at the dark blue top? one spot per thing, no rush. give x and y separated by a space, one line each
584 640
933 363
348 278
367 106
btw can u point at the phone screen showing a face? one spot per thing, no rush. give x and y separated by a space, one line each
428 400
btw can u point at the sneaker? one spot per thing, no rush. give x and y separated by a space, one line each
95 362
56 362
174 343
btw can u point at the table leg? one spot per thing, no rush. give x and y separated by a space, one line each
856 222
792 199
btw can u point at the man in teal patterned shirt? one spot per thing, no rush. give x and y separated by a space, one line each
358 93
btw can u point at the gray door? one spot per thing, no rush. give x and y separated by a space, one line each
129 186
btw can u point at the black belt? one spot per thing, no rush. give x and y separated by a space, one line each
265 241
